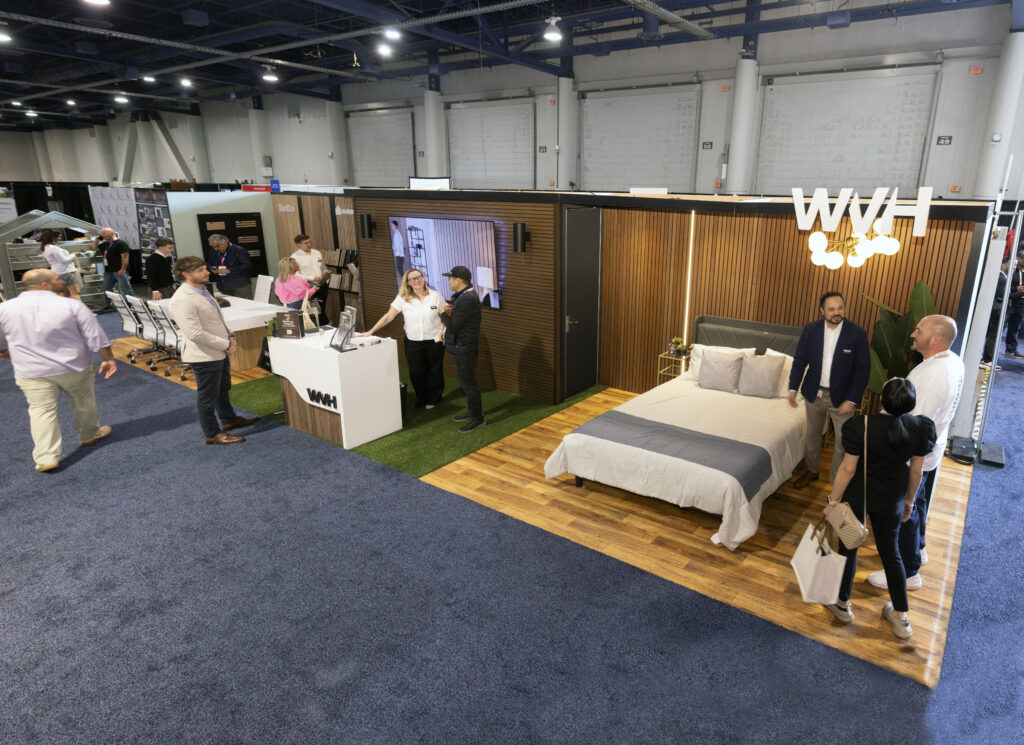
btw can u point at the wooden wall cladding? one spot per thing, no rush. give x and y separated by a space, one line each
287 224
519 342
345 221
752 267
317 221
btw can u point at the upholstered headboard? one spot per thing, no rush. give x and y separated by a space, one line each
731 332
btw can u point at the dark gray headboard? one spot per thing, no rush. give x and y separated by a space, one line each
730 332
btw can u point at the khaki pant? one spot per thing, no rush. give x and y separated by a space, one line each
817 413
43 396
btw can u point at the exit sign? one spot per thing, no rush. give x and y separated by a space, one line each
976 70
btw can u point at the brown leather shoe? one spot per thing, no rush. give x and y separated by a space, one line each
223 438
239 422
804 479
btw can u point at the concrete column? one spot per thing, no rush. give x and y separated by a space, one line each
200 156
1002 113
568 135
259 134
42 156
741 136
436 128
341 160
105 145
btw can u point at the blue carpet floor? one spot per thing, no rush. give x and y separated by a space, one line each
159 590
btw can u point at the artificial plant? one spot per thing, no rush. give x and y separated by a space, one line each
891 355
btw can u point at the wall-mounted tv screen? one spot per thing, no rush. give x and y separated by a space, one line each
435 245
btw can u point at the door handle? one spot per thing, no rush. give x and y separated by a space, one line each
569 322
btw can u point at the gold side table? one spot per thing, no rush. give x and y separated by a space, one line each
670 366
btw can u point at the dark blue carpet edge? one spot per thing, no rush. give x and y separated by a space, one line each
251 601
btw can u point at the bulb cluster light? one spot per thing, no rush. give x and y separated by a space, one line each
860 248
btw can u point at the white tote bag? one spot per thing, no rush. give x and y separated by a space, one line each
819 570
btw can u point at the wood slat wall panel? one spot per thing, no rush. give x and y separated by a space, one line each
316 221
752 267
287 225
518 342
346 223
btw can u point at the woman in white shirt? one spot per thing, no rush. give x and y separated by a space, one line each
61 261
421 308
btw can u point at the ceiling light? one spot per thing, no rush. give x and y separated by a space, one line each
186 83
120 99
31 113
97 2
70 102
148 79
393 34
552 32
5 37
269 75
384 50
15 103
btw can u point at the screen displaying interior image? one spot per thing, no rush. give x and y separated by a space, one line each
434 246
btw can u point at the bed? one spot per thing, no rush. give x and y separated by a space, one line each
721 452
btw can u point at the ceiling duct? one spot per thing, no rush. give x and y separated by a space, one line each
668 17
651 30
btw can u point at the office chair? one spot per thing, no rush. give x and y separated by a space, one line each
172 339
149 331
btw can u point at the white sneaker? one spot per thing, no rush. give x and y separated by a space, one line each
878 580
924 557
900 627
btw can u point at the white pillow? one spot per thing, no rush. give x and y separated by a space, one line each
759 376
720 371
697 352
786 368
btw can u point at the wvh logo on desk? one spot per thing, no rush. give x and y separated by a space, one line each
324 399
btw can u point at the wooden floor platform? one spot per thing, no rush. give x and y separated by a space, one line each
675 544
124 345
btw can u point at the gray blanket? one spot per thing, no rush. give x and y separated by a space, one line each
750 465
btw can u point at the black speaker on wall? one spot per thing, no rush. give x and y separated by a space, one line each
366 226
519 237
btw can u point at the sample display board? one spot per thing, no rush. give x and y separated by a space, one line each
491 144
639 138
859 130
382 147
114 207
154 219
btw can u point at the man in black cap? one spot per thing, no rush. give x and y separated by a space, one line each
462 333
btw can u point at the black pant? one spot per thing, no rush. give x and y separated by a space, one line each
1014 317
464 357
991 335
426 370
213 383
885 524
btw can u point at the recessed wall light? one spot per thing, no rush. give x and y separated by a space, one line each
384 50
392 33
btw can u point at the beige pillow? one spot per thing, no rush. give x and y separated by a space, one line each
787 366
759 376
720 371
697 354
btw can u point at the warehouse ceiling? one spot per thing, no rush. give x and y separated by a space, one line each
74 63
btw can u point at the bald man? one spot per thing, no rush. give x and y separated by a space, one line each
115 253
50 341
939 379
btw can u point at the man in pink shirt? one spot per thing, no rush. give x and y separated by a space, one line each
50 341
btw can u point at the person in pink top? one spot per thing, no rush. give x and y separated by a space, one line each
291 289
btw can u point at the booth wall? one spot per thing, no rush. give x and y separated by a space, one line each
750 267
518 342
186 205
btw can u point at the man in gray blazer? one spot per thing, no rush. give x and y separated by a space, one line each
207 345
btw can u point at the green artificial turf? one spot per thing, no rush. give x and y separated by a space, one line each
428 439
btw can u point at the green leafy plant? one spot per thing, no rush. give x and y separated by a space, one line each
891 355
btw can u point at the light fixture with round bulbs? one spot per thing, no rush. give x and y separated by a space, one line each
392 33
552 32
384 50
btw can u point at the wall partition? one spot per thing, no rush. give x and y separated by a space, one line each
382 147
639 138
491 144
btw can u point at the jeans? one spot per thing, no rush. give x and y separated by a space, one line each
122 281
464 357
885 524
912 531
213 383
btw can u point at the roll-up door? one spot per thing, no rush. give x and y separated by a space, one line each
490 144
861 130
382 147
639 138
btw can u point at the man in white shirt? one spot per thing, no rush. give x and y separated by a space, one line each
50 341
939 380
312 269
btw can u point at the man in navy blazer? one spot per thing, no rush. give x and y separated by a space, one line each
834 352
230 264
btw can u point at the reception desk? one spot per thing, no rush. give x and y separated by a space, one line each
346 397
247 320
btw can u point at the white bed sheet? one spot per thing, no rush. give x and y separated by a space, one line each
768 422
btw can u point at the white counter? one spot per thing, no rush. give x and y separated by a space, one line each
361 386
242 314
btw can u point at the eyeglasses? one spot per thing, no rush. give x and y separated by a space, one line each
415 279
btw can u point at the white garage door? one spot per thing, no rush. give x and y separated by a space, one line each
490 144
382 147
639 138
861 130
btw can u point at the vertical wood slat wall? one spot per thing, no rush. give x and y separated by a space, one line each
287 224
518 342
751 267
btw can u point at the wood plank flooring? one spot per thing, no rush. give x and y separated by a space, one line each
675 544
122 346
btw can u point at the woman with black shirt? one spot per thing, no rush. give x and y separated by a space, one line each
894 437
